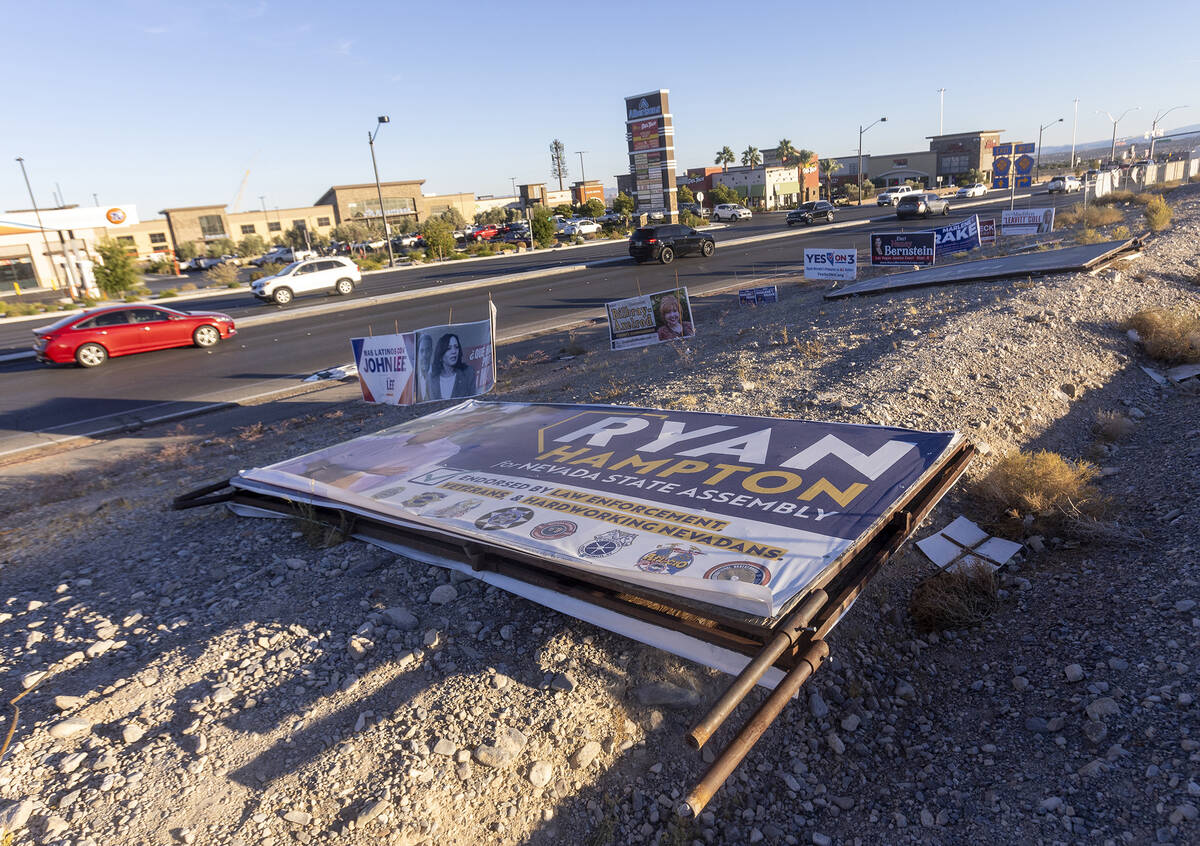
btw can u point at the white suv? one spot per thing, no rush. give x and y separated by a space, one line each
302 277
731 211
1065 184
892 196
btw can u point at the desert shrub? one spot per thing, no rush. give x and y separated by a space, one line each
1113 197
1121 233
161 266
1158 214
1172 337
270 268
21 309
1143 199
416 255
954 599
1090 217
167 294
221 275
1111 426
368 263
1042 483
188 286
690 218
1088 236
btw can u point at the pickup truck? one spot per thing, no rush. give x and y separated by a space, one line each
892 195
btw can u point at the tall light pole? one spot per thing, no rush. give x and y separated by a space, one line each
1112 156
582 174
1154 127
1037 167
1074 126
387 234
861 130
941 104
38 215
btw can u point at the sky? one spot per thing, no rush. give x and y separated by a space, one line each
165 104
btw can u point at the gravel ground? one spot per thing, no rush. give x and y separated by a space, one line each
214 679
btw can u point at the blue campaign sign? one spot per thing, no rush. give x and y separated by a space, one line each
958 237
763 295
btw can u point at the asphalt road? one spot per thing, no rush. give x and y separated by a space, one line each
39 403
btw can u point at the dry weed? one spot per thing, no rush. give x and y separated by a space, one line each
808 349
316 531
1042 483
1089 236
1112 426
1170 336
1090 217
687 402
1158 214
958 599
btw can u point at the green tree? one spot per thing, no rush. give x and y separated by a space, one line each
186 250
439 237
593 208
828 168
252 245
542 227
350 232
685 194
558 162
970 177
454 217
785 151
220 247
117 272
295 239
805 158
564 209
623 205
724 158
751 157
724 194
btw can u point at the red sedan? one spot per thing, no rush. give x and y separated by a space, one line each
91 338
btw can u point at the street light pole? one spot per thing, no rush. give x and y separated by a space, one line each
861 130
1112 155
38 215
387 235
941 104
1037 167
1154 127
1074 126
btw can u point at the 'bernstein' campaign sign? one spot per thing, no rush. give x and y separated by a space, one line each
439 362
762 295
650 319
840 265
1027 221
958 237
903 248
740 512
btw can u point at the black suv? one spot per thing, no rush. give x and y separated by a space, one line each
811 212
665 241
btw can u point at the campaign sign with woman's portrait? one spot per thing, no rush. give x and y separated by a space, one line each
650 319
454 361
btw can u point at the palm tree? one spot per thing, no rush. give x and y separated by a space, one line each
751 157
828 168
785 151
724 158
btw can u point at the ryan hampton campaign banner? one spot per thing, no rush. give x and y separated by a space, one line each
1027 221
650 319
840 265
903 248
440 362
740 512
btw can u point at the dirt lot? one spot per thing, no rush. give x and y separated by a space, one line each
219 680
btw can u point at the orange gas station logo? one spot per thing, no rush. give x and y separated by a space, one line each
115 216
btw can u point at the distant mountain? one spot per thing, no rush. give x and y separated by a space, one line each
1107 142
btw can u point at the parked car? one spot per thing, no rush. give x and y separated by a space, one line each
731 211
810 212
517 236
611 217
282 255
891 196
925 205
92 338
663 243
1064 184
583 226
410 239
339 275
485 233
695 208
976 190
207 262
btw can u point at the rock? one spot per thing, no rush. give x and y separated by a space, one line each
585 755
1185 605
1020 683
55 825
222 695
927 819
1037 725
14 816
30 679
1074 672
835 743
1094 730
851 723
70 727
298 817
1093 768
905 691
792 784
817 706
370 812
444 747
667 695
1186 811
358 647
1051 804
540 774
132 733
1103 707
820 839
98 648
71 762
508 745
443 594
401 618
432 639
563 681
68 703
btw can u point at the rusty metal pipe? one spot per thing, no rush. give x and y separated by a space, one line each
741 745
787 635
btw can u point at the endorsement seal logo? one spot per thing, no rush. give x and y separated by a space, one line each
456 509
422 500
115 216
388 493
505 518
740 571
606 544
554 530
668 559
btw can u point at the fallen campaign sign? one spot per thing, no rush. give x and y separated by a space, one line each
958 237
839 265
454 361
903 248
762 295
1027 221
650 319
741 513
